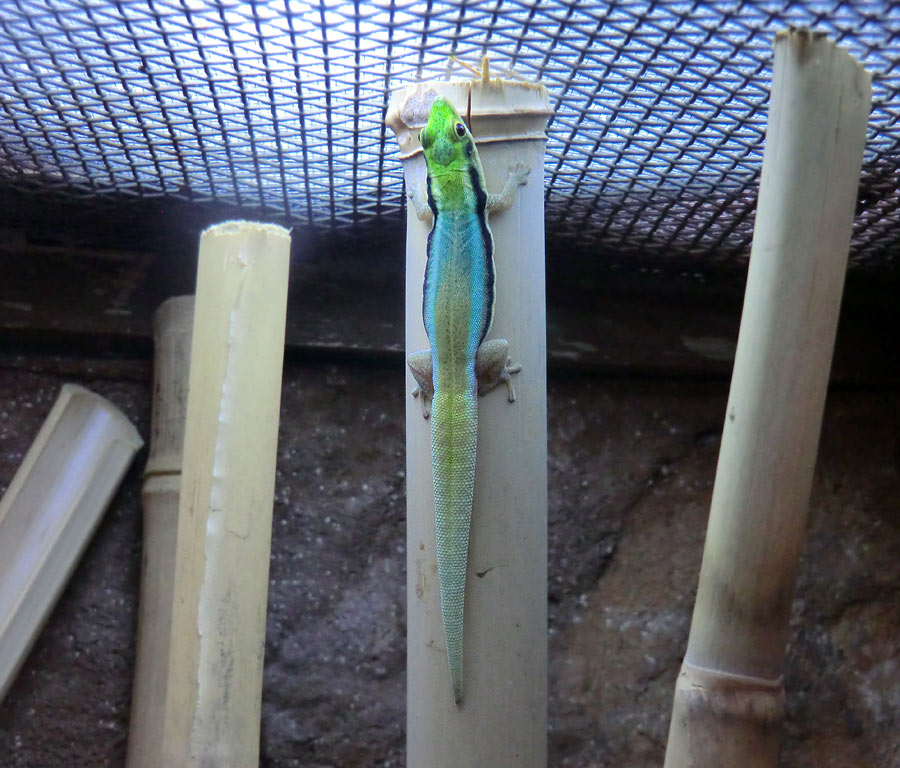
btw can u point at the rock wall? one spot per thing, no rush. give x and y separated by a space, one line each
631 472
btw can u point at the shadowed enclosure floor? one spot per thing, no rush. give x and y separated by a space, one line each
631 472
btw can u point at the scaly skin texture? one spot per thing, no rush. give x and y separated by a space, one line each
457 307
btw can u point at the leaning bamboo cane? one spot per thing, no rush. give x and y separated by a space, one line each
50 510
214 682
729 697
172 326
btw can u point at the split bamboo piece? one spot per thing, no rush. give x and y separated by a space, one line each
729 699
502 720
172 327
50 510
214 683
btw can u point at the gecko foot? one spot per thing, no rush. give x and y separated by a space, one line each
420 366
518 175
506 376
493 367
419 201
520 172
426 400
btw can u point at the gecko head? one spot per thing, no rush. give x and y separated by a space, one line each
446 139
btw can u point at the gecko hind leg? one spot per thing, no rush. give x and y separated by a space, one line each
420 364
493 367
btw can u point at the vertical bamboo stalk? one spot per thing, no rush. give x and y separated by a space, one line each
729 698
50 510
214 683
502 720
172 327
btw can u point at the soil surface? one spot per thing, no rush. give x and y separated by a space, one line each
631 473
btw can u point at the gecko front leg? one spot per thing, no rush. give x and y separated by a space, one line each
518 176
419 201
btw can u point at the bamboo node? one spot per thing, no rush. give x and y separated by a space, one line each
725 695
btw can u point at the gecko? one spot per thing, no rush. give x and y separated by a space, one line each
457 309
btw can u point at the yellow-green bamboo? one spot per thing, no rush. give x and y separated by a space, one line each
214 682
729 699
172 326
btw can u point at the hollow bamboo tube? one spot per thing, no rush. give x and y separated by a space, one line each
50 510
729 697
502 720
214 682
172 327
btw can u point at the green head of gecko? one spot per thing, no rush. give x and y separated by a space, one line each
445 138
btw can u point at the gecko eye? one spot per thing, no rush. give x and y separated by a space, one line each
460 129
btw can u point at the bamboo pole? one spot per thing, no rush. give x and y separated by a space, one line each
729 699
50 510
172 327
502 720
214 682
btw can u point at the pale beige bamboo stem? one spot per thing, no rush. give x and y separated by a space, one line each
172 327
729 698
214 686
502 721
51 509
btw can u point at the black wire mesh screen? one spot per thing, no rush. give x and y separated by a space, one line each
655 147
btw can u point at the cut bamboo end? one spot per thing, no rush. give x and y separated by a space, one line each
814 146
50 510
214 682
498 110
172 329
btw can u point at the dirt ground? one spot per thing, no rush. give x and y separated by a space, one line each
631 473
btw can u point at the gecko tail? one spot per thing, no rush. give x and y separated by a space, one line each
456 679
454 431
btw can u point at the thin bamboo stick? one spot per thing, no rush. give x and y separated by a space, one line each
214 684
729 698
172 327
502 720
50 510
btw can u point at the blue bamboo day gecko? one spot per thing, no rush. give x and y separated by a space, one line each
457 307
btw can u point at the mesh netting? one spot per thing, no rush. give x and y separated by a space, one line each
655 147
